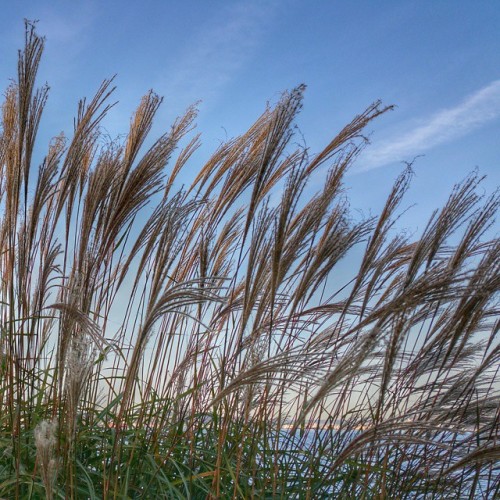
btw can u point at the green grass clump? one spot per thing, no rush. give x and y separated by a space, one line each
202 342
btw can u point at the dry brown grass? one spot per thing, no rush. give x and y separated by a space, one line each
199 343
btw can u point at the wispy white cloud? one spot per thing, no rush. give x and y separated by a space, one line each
215 55
445 126
68 36
65 30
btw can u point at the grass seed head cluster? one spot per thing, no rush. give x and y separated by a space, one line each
243 336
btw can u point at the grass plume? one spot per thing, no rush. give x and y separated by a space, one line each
202 343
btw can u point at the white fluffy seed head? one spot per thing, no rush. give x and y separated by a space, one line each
45 435
79 359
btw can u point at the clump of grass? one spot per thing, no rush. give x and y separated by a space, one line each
201 343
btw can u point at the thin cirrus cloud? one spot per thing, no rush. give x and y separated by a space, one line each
445 126
212 58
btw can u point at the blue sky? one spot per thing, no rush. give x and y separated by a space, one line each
438 61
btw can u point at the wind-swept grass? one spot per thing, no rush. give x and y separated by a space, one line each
202 343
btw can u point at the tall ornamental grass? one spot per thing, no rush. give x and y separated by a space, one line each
240 337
